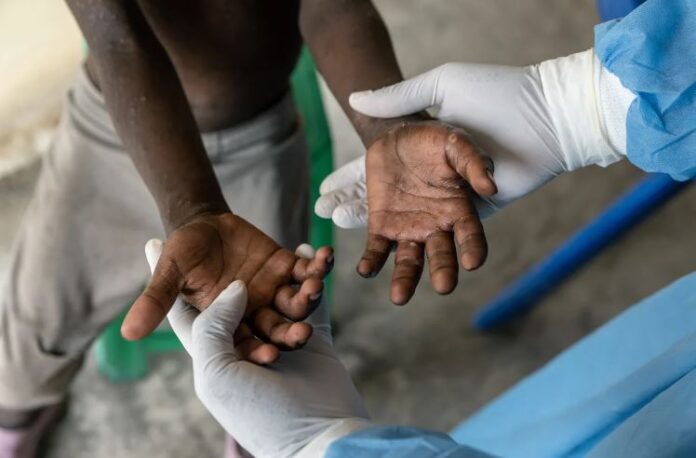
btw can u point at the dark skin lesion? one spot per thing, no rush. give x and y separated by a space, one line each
420 177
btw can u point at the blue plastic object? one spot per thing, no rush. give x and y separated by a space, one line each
634 206
612 9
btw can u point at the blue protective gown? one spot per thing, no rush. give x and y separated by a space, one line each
653 52
629 388
626 390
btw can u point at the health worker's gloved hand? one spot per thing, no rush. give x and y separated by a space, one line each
296 406
534 122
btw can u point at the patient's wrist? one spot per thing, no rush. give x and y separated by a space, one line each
185 212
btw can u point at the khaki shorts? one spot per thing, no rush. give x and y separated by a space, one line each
78 258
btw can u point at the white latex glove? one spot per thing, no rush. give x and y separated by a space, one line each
296 406
534 122
343 196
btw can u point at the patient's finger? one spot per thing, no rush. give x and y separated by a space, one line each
442 262
376 252
468 232
252 349
181 316
319 266
319 319
470 163
151 307
298 304
271 326
407 271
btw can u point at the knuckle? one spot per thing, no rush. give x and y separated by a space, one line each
409 262
372 254
471 241
469 222
440 255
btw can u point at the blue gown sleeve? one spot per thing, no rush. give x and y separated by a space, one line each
664 426
653 52
400 442
627 389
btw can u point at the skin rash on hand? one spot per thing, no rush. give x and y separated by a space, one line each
419 182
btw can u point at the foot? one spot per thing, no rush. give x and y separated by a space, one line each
26 441
233 449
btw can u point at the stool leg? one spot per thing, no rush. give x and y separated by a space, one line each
624 214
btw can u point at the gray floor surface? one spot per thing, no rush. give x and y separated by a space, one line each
422 364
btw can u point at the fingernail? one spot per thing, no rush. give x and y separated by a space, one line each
330 259
315 296
365 274
490 174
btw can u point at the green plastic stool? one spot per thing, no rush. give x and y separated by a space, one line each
120 360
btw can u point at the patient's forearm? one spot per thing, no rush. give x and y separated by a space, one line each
353 51
150 110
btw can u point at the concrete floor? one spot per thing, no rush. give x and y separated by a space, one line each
422 364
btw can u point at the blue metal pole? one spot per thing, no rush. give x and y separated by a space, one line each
612 9
626 212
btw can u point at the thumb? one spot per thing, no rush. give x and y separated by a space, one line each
181 315
151 307
213 331
404 98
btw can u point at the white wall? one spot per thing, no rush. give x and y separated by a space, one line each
40 49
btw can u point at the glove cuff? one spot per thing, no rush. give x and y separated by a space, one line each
614 102
336 430
571 88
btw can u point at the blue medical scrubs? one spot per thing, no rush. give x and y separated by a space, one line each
629 388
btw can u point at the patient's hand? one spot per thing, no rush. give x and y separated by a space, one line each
201 258
419 180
